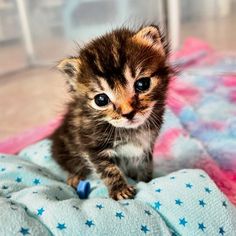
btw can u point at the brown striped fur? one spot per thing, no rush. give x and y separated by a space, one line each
115 140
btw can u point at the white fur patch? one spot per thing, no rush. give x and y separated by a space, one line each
129 150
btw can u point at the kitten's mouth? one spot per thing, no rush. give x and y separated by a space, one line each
138 120
127 124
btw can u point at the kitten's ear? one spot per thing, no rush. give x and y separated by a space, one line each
70 67
151 36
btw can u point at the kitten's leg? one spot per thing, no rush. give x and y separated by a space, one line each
145 170
112 176
74 178
80 172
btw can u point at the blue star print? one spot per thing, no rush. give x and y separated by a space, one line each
89 223
182 221
57 198
158 190
61 226
202 203
202 176
36 181
208 190
24 231
40 211
119 215
60 188
224 204
158 205
172 177
18 179
147 212
99 206
3 169
188 185
144 228
125 204
201 226
4 187
178 202
221 231
77 208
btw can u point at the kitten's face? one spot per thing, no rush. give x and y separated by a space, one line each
120 77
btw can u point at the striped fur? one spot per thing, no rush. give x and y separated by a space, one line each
105 139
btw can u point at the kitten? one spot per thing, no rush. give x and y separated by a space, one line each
118 86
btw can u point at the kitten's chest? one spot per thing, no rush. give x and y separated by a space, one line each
135 149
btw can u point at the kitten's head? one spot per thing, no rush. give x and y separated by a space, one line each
120 77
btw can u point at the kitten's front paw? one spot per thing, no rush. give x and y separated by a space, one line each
126 192
73 180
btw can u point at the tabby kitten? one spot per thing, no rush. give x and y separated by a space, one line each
118 84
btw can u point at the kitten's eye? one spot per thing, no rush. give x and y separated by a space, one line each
101 99
142 84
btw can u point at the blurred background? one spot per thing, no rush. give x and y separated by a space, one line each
35 34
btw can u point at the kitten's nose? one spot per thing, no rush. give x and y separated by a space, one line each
129 115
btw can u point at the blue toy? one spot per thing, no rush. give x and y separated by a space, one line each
83 189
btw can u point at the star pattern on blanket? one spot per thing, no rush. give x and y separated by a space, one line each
207 190
4 187
13 206
157 205
89 223
144 228
77 208
202 203
99 206
40 211
158 190
221 231
201 226
36 181
224 204
61 226
3 169
183 221
18 179
147 212
178 202
189 185
125 203
120 215
24 231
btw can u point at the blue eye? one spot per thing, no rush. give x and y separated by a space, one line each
142 84
101 100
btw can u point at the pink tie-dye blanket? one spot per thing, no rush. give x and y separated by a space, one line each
200 122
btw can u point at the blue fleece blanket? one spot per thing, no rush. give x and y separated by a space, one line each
36 201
